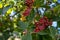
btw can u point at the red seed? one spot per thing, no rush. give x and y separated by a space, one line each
42 24
27 12
29 2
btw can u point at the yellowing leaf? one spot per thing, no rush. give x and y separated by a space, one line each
55 0
6 4
14 19
21 6
14 8
15 25
1 5
22 18
3 0
9 11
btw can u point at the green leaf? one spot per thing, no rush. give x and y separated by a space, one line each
31 27
0 11
27 37
23 25
39 3
44 32
52 32
31 16
6 35
46 37
5 9
48 13
58 24
57 8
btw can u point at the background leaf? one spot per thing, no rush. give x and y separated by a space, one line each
27 37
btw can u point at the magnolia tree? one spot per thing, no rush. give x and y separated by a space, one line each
29 19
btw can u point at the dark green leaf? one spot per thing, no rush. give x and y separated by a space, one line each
23 25
5 9
31 16
52 32
27 37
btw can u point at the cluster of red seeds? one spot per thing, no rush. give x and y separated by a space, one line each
42 24
27 11
29 4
